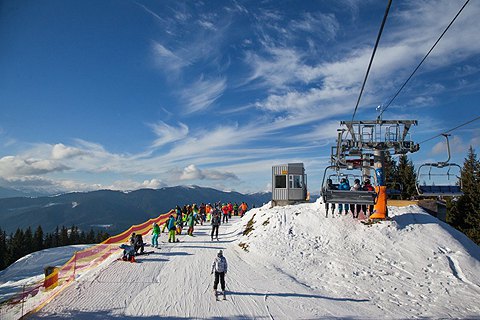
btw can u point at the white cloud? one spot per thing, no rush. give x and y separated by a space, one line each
207 25
456 146
317 23
167 134
60 151
125 185
11 166
166 59
203 93
191 172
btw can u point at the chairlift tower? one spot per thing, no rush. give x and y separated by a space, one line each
364 138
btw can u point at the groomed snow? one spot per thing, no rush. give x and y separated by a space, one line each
299 265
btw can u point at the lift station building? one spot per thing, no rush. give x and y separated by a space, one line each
289 184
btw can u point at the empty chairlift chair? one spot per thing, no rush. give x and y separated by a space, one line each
440 183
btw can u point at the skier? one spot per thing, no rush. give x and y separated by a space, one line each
215 224
235 209
219 266
191 224
367 187
155 234
138 244
128 253
344 185
244 208
330 186
225 213
355 208
132 239
171 228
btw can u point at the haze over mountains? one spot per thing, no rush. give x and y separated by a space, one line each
113 210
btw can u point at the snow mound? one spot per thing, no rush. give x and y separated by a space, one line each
291 263
413 261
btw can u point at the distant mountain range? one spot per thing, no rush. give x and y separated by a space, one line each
113 210
10 193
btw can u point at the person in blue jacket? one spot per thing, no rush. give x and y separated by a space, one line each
172 228
344 185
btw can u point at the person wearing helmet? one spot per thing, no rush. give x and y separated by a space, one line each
220 267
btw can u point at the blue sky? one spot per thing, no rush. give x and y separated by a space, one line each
131 94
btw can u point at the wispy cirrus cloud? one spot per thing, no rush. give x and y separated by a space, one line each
203 93
167 59
168 134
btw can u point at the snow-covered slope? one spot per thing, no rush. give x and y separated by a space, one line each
292 263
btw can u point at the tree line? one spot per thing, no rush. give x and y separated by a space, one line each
463 213
23 242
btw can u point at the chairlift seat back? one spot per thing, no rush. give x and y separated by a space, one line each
349 196
449 191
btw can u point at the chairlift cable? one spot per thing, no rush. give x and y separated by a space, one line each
373 55
424 58
457 127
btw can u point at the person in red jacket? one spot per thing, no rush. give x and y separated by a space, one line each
225 213
367 187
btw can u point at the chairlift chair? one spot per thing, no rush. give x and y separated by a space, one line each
433 189
345 196
394 188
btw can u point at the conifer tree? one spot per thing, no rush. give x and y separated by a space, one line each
3 249
56 238
38 241
464 214
407 176
64 240
391 172
16 245
27 246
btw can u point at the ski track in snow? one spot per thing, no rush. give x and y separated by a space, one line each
299 265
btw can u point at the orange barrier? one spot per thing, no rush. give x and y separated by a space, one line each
381 205
85 260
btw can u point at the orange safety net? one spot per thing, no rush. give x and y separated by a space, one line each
91 257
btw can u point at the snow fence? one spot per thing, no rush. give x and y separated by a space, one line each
28 299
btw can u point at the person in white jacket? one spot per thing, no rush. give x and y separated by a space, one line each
220 267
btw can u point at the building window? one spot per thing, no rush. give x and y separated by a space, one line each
280 182
295 181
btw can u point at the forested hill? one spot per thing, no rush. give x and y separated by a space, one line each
115 209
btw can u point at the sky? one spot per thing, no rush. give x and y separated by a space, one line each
317 267
146 94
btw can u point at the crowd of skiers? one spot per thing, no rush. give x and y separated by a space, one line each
186 216
190 215
353 208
